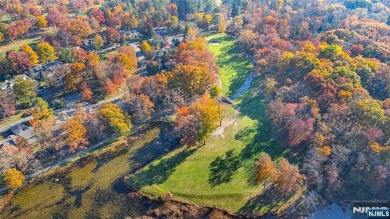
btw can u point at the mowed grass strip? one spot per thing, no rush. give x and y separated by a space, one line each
234 65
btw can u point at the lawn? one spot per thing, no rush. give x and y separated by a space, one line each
17 44
220 173
234 65
92 190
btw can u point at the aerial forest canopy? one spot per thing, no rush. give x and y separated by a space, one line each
184 7
283 106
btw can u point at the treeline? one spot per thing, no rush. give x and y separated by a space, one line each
323 68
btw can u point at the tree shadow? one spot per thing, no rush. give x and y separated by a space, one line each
268 201
223 168
234 58
165 142
253 106
237 61
158 173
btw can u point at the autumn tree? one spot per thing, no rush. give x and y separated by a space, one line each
247 40
126 61
220 23
86 92
145 47
112 35
75 133
265 169
369 111
7 104
77 67
118 120
45 52
288 179
325 150
78 27
19 27
13 178
92 61
25 91
193 80
41 21
300 131
97 42
130 52
18 157
139 107
21 143
129 20
19 61
44 132
41 110
209 116
207 19
110 87
32 55
187 126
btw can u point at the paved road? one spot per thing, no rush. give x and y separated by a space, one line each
63 110
10 125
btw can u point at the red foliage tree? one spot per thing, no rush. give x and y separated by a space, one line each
19 61
300 131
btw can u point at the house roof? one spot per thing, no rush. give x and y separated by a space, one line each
19 129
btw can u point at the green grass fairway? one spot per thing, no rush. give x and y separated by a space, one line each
234 66
213 174
221 173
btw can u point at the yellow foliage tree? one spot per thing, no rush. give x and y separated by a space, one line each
325 150
209 116
13 178
41 110
45 52
32 55
76 133
97 42
126 61
145 47
115 117
41 21
377 148
207 19
193 80
191 34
